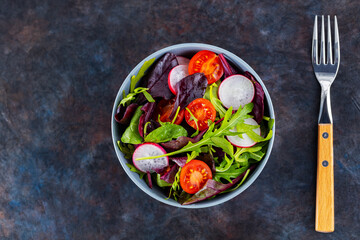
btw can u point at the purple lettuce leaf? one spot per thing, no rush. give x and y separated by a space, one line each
180 161
157 79
209 160
183 197
213 188
149 179
219 153
181 142
123 114
189 89
141 125
174 145
228 69
169 176
258 110
147 116
161 170
249 76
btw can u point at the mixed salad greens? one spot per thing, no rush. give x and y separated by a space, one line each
195 127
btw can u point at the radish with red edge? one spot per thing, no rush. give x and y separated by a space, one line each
236 91
148 150
175 75
182 60
245 141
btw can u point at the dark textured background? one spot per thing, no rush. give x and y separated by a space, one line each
61 65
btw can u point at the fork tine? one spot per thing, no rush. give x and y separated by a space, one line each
322 43
336 42
315 42
329 48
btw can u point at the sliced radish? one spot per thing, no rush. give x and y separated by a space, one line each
245 141
148 150
175 75
182 60
236 91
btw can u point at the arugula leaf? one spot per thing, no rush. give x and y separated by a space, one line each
131 134
232 172
226 146
166 133
192 117
127 150
162 183
242 181
133 81
212 96
229 122
176 114
254 148
256 155
192 156
148 97
244 128
258 138
136 78
175 186
243 159
134 169
225 164
145 128
131 96
242 155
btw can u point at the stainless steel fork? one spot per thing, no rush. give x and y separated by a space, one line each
325 68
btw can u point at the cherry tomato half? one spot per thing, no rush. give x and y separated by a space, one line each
203 110
164 108
194 175
208 63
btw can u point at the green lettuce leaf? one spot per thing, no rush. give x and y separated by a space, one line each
231 173
134 169
131 96
166 133
212 95
136 78
131 134
225 164
162 183
128 150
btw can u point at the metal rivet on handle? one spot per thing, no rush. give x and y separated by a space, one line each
325 163
325 135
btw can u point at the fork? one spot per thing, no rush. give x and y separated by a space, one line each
325 71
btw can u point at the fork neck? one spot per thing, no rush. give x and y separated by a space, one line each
325 115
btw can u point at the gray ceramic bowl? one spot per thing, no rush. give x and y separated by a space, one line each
187 49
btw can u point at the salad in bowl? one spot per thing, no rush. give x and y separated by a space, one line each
193 125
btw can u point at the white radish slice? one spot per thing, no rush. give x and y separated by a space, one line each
245 141
176 74
236 91
182 60
148 150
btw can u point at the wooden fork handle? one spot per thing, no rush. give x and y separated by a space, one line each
324 217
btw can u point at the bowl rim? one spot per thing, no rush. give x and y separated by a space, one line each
250 180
